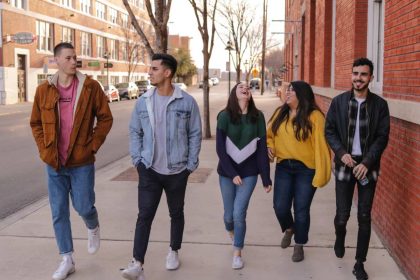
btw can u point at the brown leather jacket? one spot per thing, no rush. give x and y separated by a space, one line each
85 139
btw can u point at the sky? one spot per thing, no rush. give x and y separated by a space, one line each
183 22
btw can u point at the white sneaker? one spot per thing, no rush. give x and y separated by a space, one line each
134 271
172 260
65 268
94 240
237 262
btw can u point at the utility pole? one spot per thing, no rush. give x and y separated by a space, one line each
264 43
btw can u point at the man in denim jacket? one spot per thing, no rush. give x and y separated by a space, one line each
165 141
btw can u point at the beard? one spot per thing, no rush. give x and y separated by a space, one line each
363 86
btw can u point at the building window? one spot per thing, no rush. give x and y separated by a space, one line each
100 10
21 4
86 39
85 6
114 49
376 42
124 20
115 80
113 15
43 77
100 46
102 79
67 3
68 35
124 51
44 35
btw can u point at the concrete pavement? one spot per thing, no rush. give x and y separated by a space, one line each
28 249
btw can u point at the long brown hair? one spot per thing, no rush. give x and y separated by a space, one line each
301 123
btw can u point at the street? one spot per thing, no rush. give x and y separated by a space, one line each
22 172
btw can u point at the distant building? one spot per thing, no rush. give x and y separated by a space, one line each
322 40
94 27
178 42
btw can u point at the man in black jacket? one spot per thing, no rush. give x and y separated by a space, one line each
357 130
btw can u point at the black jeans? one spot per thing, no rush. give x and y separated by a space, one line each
151 185
344 196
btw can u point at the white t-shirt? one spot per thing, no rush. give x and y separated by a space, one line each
357 148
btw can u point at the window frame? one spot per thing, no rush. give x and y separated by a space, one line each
47 38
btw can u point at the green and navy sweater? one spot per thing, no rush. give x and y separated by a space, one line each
242 148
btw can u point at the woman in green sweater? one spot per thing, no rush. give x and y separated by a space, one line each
295 136
242 149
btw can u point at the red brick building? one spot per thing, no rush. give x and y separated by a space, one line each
322 39
97 28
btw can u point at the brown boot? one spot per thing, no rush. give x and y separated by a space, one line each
287 238
298 255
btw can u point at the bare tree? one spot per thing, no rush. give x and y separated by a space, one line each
203 15
131 51
264 44
159 20
254 39
237 19
274 61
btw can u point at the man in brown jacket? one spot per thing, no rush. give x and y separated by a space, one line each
62 122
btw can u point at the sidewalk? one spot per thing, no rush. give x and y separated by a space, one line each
15 108
28 249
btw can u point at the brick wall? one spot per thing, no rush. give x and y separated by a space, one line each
397 200
323 29
402 50
396 211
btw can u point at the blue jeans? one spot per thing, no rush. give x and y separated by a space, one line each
78 182
235 202
293 183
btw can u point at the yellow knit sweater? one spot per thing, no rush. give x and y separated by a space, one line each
313 152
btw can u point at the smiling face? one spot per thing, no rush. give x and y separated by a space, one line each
361 77
243 92
66 61
291 98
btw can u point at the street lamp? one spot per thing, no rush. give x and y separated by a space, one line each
229 48
106 56
246 70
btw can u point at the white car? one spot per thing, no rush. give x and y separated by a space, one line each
215 80
181 86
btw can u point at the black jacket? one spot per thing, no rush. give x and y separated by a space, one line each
337 123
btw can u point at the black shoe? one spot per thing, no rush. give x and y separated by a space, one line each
359 271
339 248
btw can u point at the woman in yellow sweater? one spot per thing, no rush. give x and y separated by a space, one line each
295 136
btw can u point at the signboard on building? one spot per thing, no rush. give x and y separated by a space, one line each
93 63
23 38
108 65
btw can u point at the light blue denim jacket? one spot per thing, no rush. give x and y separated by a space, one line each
183 131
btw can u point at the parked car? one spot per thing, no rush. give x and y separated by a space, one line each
127 90
215 81
143 86
111 93
181 85
200 85
255 83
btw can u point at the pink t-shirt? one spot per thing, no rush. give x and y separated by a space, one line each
66 103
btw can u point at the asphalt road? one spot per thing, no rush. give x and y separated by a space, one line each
22 176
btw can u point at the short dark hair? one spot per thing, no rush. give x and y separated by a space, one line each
59 47
168 60
364 61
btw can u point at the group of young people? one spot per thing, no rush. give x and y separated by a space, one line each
71 119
